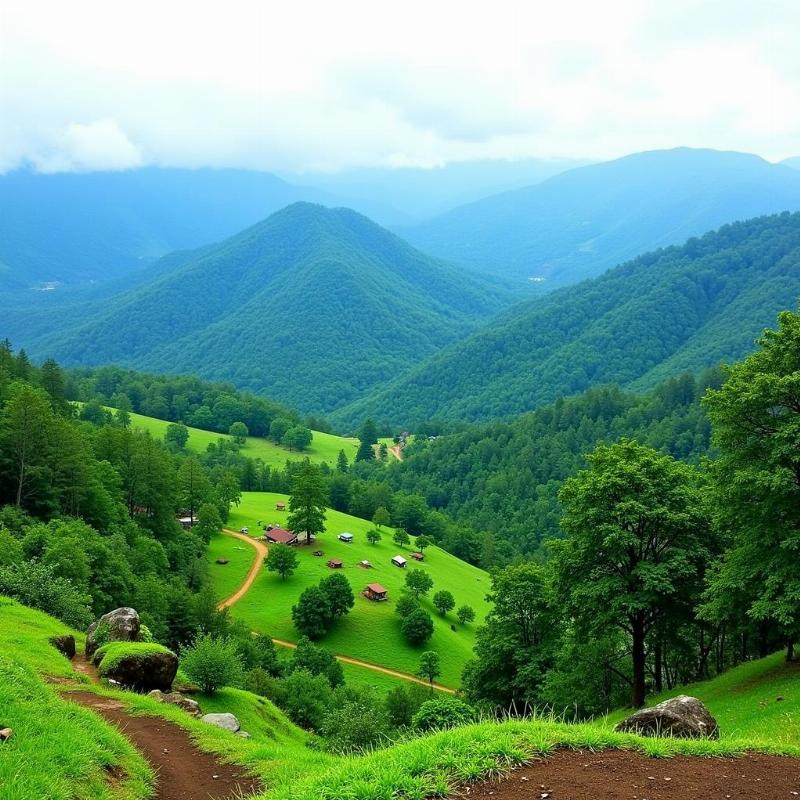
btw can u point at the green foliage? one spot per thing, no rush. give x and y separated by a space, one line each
417 627
422 541
429 666
281 559
212 663
239 432
311 615
339 593
177 434
444 601
401 538
357 721
307 656
418 582
308 501
209 522
374 536
672 310
441 713
110 655
405 604
305 698
465 614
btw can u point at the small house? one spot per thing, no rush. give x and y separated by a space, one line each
280 506
399 561
374 591
365 564
418 556
280 536
334 563
187 522
346 537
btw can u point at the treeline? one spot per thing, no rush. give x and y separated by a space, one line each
186 399
88 513
666 572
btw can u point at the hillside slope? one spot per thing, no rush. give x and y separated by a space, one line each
74 228
677 309
312 306
584 221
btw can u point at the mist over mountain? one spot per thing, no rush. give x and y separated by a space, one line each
580 223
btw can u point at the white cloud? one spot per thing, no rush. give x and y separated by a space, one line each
96 85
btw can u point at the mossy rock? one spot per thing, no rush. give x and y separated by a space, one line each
140 666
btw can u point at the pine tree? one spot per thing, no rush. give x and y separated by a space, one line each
308 501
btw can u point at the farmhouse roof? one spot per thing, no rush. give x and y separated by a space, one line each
281 536
376 588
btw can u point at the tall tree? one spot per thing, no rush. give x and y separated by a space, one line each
307 501
756 483
637 543
194 487
430 666
367 436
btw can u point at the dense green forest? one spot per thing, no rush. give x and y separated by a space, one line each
582 222
677 309
281 308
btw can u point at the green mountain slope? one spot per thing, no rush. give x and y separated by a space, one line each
578 224
681 308
312 307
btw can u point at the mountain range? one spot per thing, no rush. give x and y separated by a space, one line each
579 223
312 306
682 308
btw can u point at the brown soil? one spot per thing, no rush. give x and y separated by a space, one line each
184 772
627 775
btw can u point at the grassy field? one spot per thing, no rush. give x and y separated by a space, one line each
745 701
324 447
371 632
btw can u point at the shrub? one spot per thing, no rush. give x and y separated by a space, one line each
444 601
144 634
313 659
401 703
212 663
406 604
109 655
417 627
355 721
304 697
443 712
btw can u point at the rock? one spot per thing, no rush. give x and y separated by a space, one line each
243 734
6 734
683 717
64 645
144 671
226 721
176 699
120 625
222 561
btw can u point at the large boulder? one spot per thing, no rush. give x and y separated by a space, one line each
226 721
683 717
64 645
142 672
176 699
119 625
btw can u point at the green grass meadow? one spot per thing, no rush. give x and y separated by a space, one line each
371 631
324 447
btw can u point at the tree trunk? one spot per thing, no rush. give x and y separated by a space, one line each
639 662
20 482
790 650
658 666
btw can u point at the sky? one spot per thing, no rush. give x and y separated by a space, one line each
306 86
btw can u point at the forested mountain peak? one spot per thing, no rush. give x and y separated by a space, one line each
583 221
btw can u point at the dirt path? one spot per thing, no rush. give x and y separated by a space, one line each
261 552
625 774
183 771
397 452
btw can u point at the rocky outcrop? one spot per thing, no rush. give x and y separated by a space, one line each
119 625
683 717
64 645
176 699
143 672
226 721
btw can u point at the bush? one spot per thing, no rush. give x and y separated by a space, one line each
417 627
212 663
144 634
401 703
356 721
305 698
406 604
443 712
313 659
110 655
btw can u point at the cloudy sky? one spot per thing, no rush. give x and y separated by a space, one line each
330 85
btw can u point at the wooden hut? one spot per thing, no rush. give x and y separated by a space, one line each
280 536
399 561
334 563
418 556
374 591
280 506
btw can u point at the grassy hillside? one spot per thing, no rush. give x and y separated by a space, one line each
281 308
324 446
673 310
371 631
584 221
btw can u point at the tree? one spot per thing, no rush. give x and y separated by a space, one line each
418 582
194 487
417 627
381 517
278 428
405 604
383 451
374 536
422 541
444 601
312 614
465 614
209 522
297 438
317 661
177 434
401 538
281 559
52 380
430 666
756 484
636 544
307 501
305 698
339 593
238 432
342 464
441 713
212 663
367 436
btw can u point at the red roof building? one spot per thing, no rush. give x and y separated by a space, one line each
280 536
374 591
334 563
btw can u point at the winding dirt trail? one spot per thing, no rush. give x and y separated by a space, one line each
261 553
183 771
